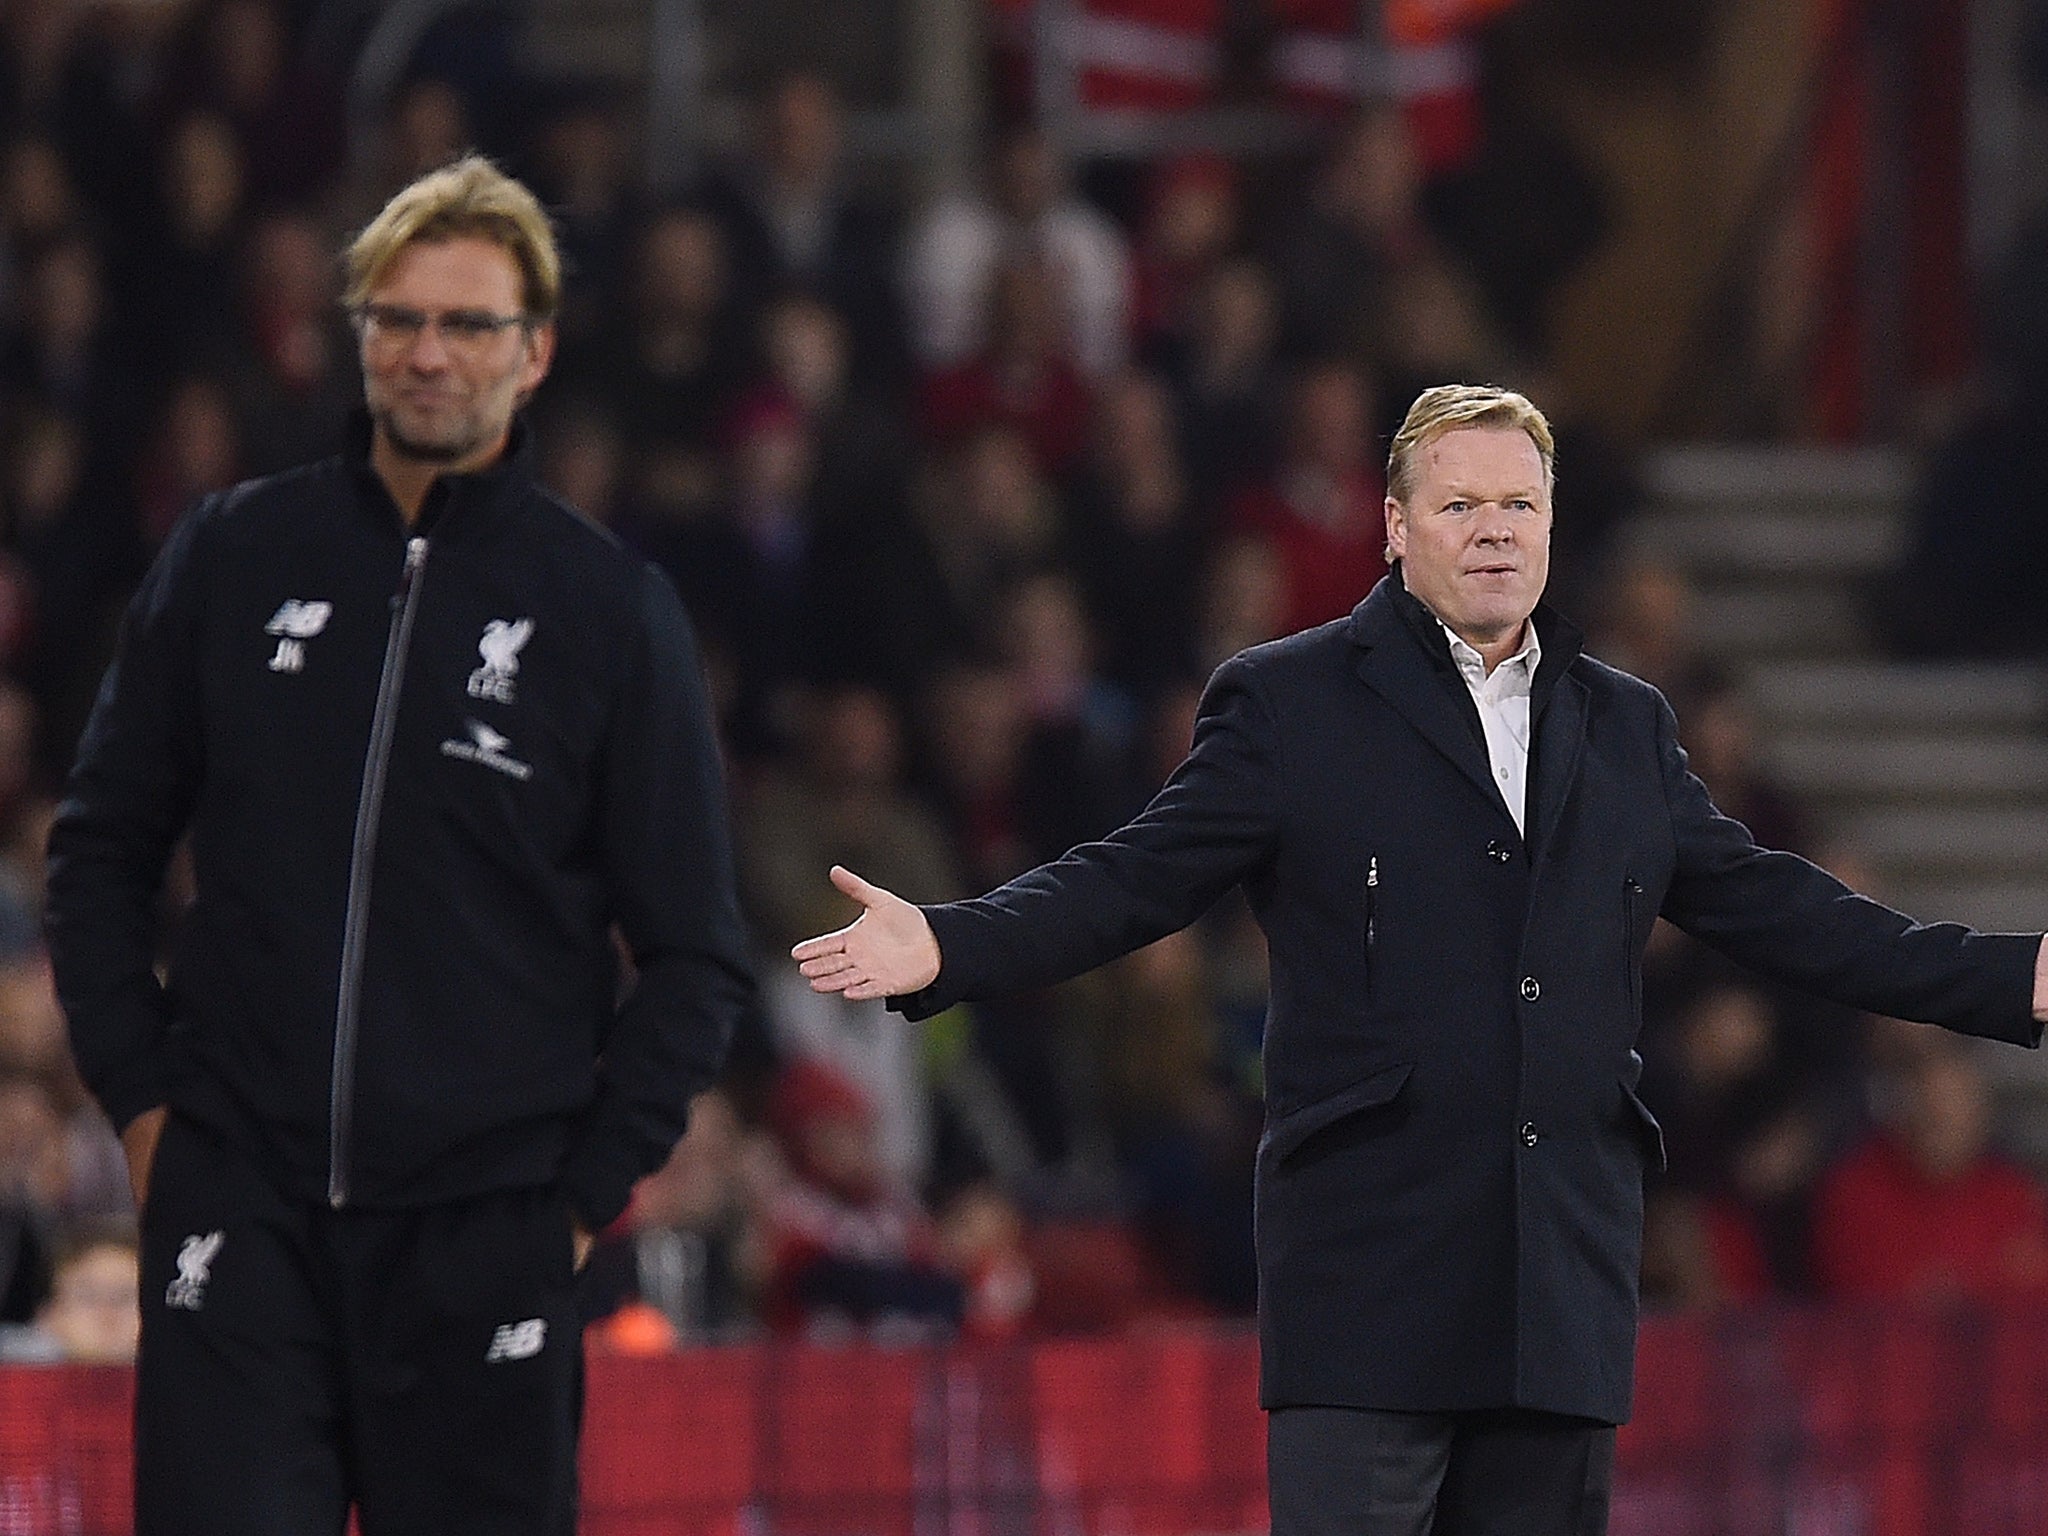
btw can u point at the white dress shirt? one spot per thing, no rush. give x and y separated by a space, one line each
1503 700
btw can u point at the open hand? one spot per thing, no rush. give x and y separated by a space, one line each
885 952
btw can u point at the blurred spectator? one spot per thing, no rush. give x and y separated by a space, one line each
861 437
1244 601
748 567
1190 228
1524 214
68 539
80 74
1074 766
583 174
66 1159
37 204
24 1259
195 447
1323 509
974 715
957 250
876 1052
668 365
981 1240
1603 492
1225 378
1925 1209
583 459
426 125
1719 730
291 373
1433 330
985 518
68 356
1024 376
1136 541
1700 1253
793 223
1743 1138
1644 624
1183 1137
690 1243
93 1315
842 802
179 276
1964 586
238 58
1359 227
848 1247
33 1173
25 807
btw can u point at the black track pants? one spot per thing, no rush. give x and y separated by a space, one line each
423 1365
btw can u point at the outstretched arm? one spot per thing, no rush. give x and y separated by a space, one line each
887 951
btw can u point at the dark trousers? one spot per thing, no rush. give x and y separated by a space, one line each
1507 1472
422 1365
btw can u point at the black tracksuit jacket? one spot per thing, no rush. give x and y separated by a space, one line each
424 773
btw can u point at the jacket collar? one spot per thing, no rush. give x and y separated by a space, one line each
1404 656
496 484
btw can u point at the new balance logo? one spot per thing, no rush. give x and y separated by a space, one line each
517 1341
195 1268
499 648
296 622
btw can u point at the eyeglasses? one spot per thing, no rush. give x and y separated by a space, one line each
396 326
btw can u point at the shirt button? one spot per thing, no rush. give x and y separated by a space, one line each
1530 989
1529 1136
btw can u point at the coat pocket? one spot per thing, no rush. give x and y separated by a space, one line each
1285 1135
1372 926
1632 947
1647 1128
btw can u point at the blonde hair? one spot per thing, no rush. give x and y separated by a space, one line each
1450 406
468 198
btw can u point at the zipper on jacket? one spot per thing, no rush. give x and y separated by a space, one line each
362 850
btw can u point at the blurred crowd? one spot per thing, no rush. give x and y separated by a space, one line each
966 497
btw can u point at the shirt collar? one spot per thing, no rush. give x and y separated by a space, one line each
1473 666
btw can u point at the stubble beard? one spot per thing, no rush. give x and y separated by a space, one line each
420 450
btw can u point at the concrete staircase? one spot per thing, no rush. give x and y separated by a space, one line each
1935 776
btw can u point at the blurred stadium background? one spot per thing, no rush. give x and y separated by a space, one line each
984 371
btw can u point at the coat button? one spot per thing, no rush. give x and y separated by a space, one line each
1529 1136
1530 989
1498 852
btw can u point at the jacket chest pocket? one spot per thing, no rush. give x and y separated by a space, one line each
1372 923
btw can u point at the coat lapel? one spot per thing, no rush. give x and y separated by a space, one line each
1560 736
1392 663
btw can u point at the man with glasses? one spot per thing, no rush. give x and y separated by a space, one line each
432 737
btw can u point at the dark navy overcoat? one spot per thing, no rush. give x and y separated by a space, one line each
1450 1184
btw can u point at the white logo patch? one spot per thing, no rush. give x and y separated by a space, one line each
500 647
195 1268
517 1341
294 623
487 747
